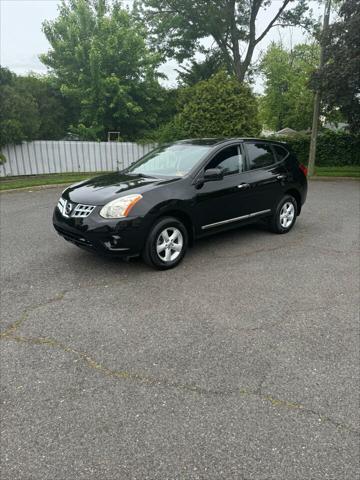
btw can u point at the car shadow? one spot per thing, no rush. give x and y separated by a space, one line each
202 246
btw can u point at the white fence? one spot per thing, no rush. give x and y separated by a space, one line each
46 156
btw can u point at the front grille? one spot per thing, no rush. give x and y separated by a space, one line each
69 209
82 210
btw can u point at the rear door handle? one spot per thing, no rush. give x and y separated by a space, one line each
281 177
244 185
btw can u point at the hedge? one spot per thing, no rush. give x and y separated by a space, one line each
333 148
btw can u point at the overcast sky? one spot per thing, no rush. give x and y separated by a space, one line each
22 39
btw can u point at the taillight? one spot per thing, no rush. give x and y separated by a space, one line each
303 169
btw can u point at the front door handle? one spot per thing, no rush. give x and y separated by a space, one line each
244 185
281 177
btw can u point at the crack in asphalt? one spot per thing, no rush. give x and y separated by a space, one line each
188 387
10 334
13 327
123 374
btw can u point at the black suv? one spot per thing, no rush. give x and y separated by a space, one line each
182 191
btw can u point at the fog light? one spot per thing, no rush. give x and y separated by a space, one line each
114 241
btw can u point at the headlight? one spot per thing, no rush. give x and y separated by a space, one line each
120 207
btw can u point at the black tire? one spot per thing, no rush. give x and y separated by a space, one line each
275 221
155 239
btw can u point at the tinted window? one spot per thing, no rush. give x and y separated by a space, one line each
260 155
229 160
281 152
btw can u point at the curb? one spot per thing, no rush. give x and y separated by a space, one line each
329 179
34 187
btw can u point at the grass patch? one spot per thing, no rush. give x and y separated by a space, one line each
346 171
9 183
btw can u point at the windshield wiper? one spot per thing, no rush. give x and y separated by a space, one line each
140 175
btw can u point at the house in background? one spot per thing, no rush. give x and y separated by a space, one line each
337 127
281 133
286 132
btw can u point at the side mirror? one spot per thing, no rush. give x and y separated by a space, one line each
213 174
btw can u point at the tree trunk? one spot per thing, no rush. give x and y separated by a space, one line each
244 66
317 97
238 66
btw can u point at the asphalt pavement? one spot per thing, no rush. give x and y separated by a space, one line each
242 363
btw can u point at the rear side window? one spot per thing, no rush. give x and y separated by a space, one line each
281 152
259 155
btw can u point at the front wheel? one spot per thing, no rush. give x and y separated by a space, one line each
166 244
284 217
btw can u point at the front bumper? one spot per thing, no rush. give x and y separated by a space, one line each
118 237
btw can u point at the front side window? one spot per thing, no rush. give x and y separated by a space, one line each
170 160
229 160
259 155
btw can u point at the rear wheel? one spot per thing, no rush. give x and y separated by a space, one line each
166 244
285 215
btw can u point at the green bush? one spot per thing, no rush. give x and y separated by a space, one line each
11 132
333 148
169 132
218 107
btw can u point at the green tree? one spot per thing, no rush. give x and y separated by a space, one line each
19 114
31 108
288 99
220 106
51 104
340 77
199 70
101 62
179 27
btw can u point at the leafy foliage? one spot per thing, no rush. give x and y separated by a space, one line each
178 27
201 70
101 62
288 99
19 117
340 77
51 106
333 148
220 106
31 108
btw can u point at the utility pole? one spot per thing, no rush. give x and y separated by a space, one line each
317 97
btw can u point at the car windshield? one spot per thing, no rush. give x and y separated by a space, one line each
170 160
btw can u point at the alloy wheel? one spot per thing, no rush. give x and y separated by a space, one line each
287 214
169 244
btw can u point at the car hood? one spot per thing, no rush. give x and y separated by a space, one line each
101 190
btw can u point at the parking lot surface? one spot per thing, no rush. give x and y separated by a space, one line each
242 363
